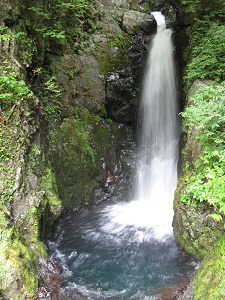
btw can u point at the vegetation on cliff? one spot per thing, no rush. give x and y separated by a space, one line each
205 111
29 195
200 196
20 209
210 279
207 174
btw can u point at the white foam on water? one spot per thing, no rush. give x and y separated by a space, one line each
160 19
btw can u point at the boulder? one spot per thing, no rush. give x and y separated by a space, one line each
133 21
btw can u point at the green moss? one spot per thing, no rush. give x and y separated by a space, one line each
209 283
20 245
25 263
109 64
5 268
72 157
81 145
11 145
20 253
194 228
18 262
48 182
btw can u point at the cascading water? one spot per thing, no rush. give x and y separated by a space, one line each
157 163
158 113
127 250
151 213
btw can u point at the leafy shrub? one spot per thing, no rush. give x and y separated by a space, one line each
207 59
200 6
207 178
51 95
79 20
12 88
72 20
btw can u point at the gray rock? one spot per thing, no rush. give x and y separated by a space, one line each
120 3
79 77
134 21
136 4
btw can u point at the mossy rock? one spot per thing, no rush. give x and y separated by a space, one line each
18 272
81 83
209 283
195 229
81 147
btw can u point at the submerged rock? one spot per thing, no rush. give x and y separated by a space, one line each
173 292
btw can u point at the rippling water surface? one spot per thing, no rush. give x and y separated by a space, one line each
101 263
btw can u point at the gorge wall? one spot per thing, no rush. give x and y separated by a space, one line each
199 199
70 80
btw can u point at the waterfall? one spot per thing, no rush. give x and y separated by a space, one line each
157 159
150 214
127 250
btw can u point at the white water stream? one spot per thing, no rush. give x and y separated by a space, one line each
150 214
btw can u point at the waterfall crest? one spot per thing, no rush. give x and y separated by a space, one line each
151 214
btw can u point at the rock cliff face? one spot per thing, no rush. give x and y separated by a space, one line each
196 227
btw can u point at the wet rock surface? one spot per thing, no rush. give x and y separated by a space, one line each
50 280
173 292
123 87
